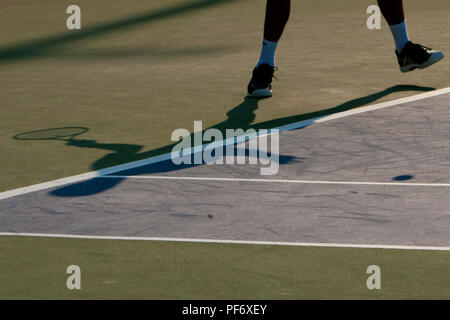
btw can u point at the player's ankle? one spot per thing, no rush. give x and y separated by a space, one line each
267 53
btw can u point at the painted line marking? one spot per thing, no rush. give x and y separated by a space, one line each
215 241
167 156
83 176
364 183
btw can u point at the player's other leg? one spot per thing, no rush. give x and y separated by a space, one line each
410 55
277 16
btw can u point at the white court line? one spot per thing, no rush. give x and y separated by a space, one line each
215 241
374 107
167 156
364 183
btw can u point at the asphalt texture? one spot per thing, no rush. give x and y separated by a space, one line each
407 143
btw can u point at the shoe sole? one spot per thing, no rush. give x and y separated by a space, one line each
260 93
435 57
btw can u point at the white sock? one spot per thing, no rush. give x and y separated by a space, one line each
400 35
268 53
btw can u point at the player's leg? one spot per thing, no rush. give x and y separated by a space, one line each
410 55
277 16
393 13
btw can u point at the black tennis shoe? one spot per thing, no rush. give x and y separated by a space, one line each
260 85
415 56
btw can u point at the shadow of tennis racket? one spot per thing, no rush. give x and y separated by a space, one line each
64 134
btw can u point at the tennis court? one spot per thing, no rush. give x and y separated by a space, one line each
373 177
363 157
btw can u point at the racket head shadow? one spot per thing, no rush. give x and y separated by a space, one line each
63 133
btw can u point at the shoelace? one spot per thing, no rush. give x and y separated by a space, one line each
417 50
420 49
275 69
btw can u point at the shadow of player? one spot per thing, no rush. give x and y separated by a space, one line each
242 116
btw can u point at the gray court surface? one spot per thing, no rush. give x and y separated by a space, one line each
397 146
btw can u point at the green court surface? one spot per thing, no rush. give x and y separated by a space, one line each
35 268
137 71
140 69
